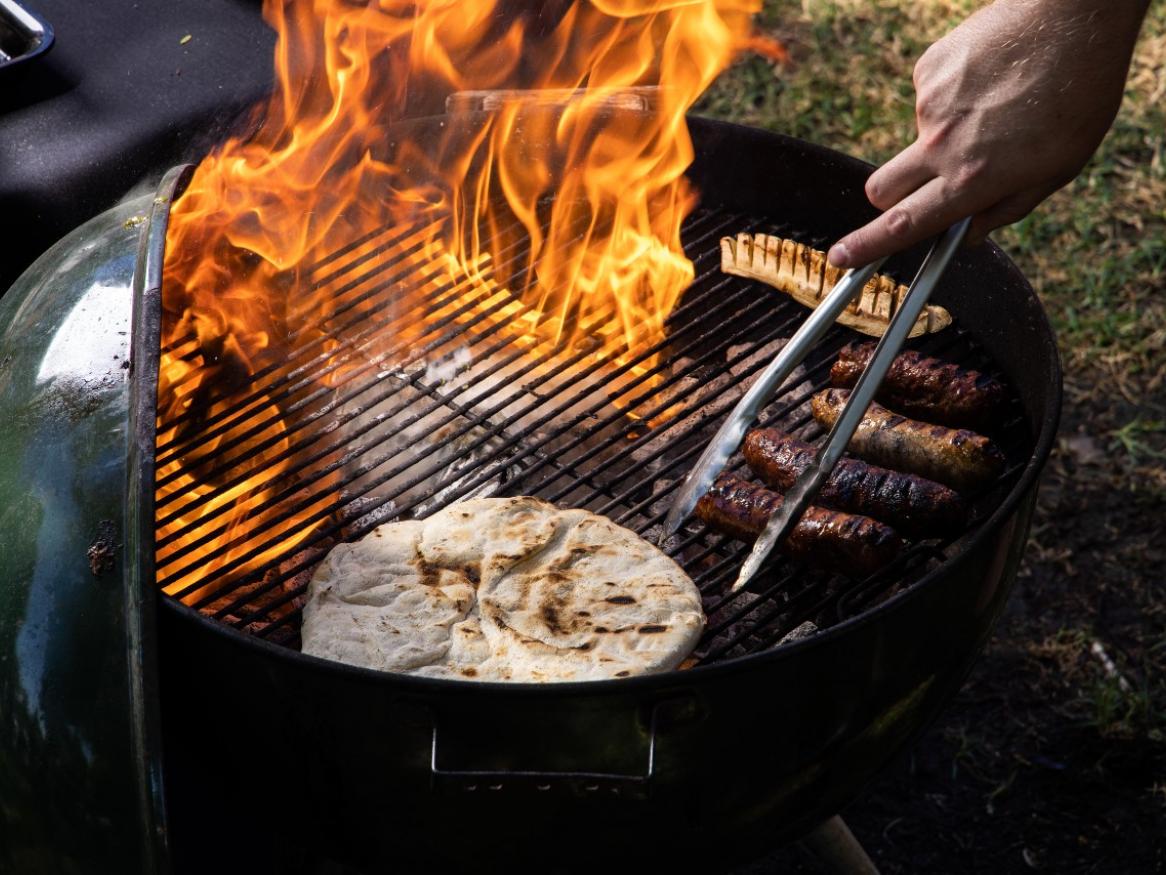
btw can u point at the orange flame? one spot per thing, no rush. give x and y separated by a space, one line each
538 95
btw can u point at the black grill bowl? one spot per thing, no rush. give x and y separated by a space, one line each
274 760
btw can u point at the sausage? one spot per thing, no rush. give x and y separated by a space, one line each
928 388
957 458
856 546
913 505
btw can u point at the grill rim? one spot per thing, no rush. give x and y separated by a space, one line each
969 546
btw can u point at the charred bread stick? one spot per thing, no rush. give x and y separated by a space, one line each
928 388
856 546
913 505
957 458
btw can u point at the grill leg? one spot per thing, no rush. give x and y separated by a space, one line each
834 846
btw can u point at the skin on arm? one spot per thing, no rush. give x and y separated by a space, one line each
1009 107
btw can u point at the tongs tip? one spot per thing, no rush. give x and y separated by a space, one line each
746 574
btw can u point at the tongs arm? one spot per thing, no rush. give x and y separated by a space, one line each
800 495
730 434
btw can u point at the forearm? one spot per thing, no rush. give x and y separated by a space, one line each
1073 30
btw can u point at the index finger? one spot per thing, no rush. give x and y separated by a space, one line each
924 213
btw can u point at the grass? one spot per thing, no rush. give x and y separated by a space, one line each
1047 757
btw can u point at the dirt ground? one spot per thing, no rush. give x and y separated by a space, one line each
1053 755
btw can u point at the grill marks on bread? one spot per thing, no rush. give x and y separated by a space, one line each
547 594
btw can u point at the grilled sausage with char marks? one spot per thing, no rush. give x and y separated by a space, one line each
915 506
927 388
853 545
957 458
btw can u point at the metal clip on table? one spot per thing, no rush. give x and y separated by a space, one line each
729 437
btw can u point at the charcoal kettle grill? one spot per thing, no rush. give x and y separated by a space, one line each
187 735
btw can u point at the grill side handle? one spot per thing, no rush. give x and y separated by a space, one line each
484 778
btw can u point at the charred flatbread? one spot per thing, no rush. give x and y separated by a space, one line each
510 589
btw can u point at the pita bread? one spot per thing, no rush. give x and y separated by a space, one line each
503 589
804 274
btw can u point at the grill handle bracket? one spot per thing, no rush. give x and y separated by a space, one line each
593 784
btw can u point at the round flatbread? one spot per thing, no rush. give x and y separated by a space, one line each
507 589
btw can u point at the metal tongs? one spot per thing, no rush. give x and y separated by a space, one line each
728 438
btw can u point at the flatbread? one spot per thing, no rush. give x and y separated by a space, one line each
509 589
804 274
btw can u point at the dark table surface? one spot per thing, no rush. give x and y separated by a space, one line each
120 97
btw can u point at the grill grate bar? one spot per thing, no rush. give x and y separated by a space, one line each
476 419
615 437
425 233
177 344
357 243
348 337
175 575
291 512
513 254
379 377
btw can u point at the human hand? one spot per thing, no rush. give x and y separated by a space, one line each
1009 107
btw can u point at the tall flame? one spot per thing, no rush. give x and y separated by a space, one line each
537 94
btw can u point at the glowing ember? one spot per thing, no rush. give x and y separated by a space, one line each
585 102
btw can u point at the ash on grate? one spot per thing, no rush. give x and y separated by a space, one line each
417 451
665 451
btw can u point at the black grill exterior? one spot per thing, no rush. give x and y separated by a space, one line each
755 745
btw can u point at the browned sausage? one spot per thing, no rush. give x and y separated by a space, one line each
915 506
853 545
957 458
928 388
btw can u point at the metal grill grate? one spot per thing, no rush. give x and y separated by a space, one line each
375 427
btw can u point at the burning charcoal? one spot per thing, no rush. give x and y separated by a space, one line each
724 606
254 595
739 614
663 495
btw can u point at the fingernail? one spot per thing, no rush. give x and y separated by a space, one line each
839 255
